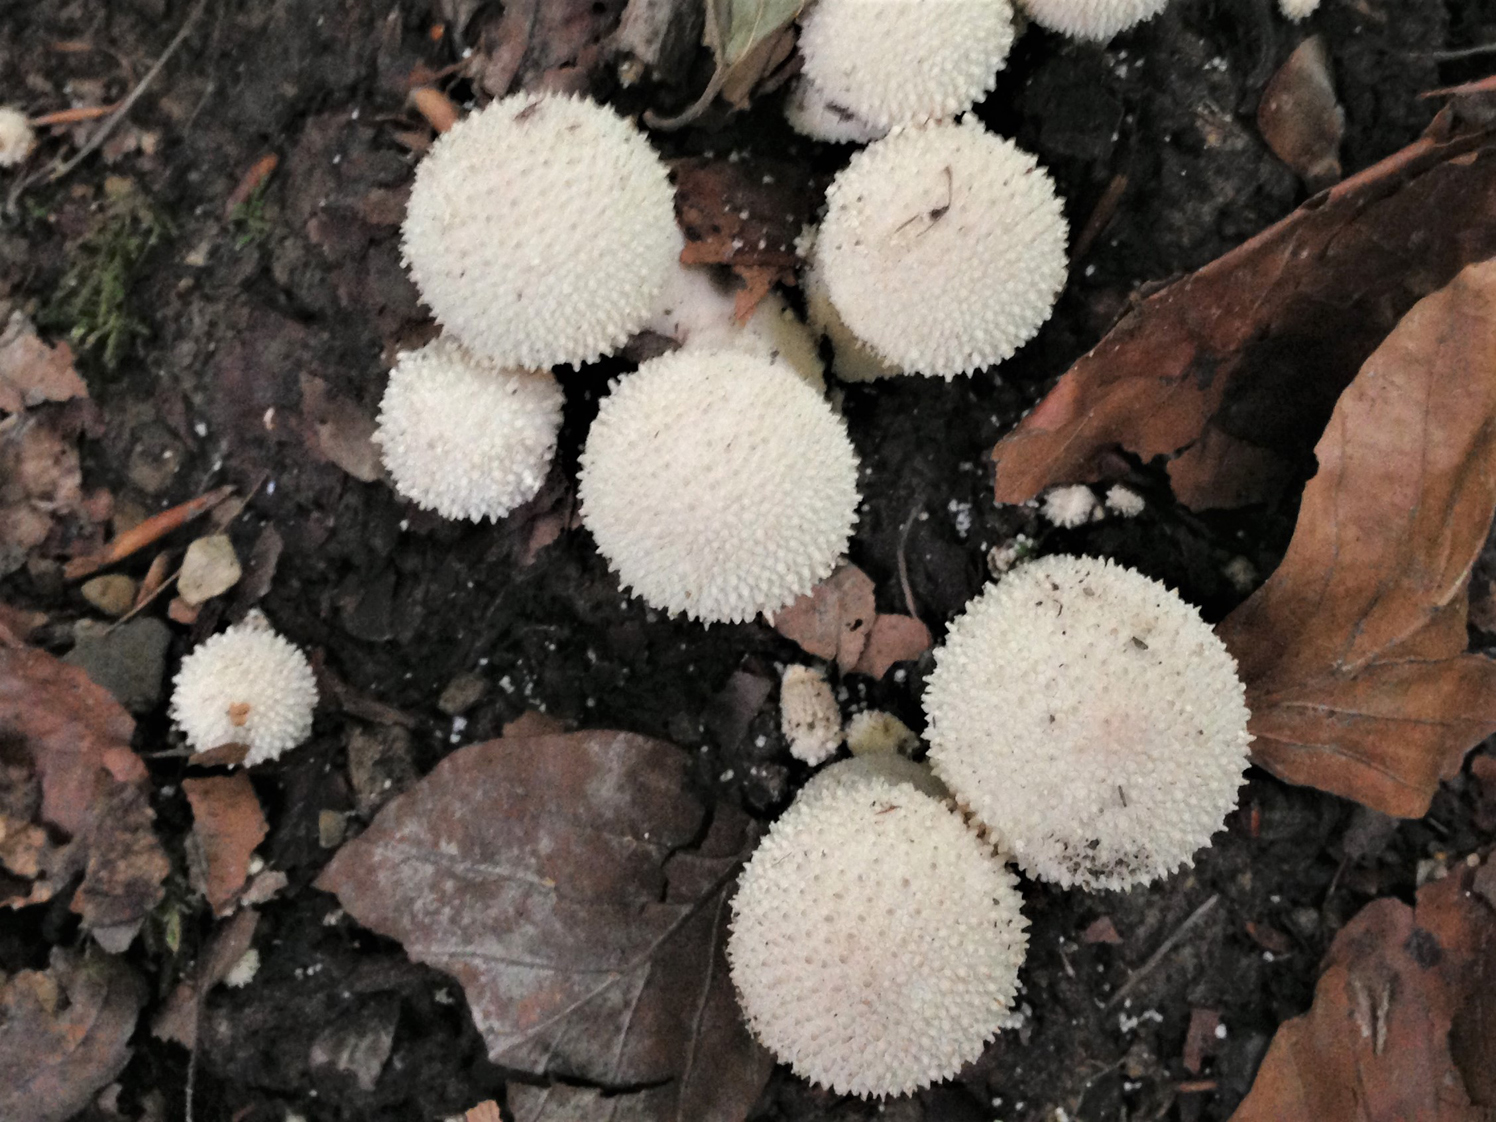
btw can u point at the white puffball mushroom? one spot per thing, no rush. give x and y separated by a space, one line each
875 732
17 138
851 359
718 484
1096 20
808 714
1296 10
1124 501
811 113
540 230
900 62
1091 720
1070 506
247 685
875 940
464 437
943 248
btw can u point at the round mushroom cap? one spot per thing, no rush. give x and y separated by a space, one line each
811 113
718 484
1096 20
943 248
899 62
17 137
540 230
247 685
464 437
875 940
1091 720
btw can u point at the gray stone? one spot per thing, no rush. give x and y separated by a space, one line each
129 660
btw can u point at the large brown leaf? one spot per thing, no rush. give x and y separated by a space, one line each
1389 1022
1237 366
1353 651
578 891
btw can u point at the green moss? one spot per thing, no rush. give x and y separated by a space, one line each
248 221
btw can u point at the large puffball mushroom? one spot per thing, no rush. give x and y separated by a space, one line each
16 137
900 62
247 685
1091 720
718 484
1097 20
465 437
540 230
875 940
811 113
943 248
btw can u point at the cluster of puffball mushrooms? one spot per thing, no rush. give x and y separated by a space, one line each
1084 723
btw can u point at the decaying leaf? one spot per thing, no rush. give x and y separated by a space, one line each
32 372
227 825
1300 118
832 620
177 1018
891 639
64 1033
546 44
1236 367
1390 1010
578 891
40 480
749 39
339 431
1353 651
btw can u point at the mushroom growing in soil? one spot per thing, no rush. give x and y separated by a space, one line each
540 230
16 136
246 685
1096 20
718 484
1091 720
875 941
465 437
943 248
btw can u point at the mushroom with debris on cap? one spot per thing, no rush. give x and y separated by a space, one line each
540 230
1091 19
943 248
1070 506
16 136
899 62
875 940
1091 720
246 685
718 484
808 714
465 437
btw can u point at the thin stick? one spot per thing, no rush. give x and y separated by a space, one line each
1158 956
73 116
904 561
152 529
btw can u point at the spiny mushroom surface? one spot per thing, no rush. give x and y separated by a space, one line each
464 437
943 248
875 940
540 230
809 717
718 484
1091 720
811 113
16 136
1092 19
899 62
247 685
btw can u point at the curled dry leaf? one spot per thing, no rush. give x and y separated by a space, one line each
578 891
1300 118
64 1033
1353 651
1394 1030
833 619
749 39
227 825
1236 367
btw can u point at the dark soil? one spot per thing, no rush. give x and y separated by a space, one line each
398 604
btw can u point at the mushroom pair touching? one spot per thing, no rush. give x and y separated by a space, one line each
1086 723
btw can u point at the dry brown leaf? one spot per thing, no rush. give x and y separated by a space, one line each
40 480
546 44
1200 1039
832 620
64 1033
340 431
1353 651
1300 118
891 639
228 824
1241 362
1377 1044
748 39
565 882
32 372
486 1111
178 1017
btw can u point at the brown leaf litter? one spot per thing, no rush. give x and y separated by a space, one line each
838 621
41 482
1231 371
1300 118
1353 651
177 1019
1401 1025
31 372
227 826
577 889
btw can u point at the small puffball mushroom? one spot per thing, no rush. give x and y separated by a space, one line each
875 940
1124 501
16 137
540 230
1096 20
874 732
465 437
1297 9
247 685
1091 720
900 62
943 248
1070 506
808 714
718 484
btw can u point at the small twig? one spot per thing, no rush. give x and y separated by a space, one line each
151 530
73 116
904 560
1453 55
1158 956
146 601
